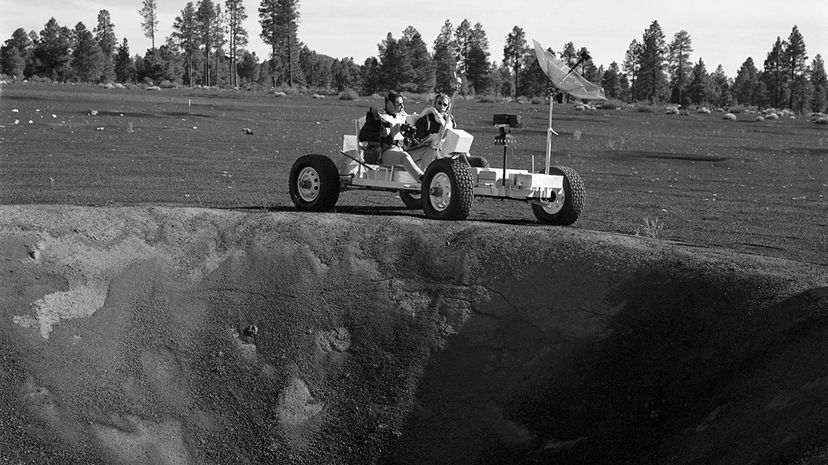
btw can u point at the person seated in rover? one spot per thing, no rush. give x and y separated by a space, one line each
387 127
431 121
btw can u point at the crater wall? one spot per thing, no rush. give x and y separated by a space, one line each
163 335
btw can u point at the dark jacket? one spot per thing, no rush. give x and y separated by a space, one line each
371 131
427 125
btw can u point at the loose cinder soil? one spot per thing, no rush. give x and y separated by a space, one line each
386 338
756 187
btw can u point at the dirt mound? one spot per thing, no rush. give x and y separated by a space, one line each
159 335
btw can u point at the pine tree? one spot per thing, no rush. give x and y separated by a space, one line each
237 35
587 67
611 81
87 58
210 34
461 44
124 65
700 89
185 34
279 19
371 76
445 59
569 56
775 76
632 67
477 61
395 70
248 69
514 51
105 36
723 87
819 82
422 66
15 53
149 13
52 51
679 64
654 48
796 58
746 84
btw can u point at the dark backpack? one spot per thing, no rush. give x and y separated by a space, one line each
370 134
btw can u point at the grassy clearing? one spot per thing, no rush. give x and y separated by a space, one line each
753 186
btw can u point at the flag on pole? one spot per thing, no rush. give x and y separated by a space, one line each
567 80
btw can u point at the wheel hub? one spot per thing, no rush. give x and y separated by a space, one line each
553 204
308 184
439 191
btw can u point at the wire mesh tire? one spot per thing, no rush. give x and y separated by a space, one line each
314 183
573 204
448 190
412 199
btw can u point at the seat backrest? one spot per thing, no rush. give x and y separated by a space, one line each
350 144
358 123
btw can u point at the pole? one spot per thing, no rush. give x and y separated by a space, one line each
549 133
504 167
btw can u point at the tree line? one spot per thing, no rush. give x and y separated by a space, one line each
207 47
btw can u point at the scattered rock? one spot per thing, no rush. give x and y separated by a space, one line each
247 131
249 334
729 117
279 94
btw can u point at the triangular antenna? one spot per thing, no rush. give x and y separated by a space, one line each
565 81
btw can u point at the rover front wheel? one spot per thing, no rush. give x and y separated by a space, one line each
448 190
314 183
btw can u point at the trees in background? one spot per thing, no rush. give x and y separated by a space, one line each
124 64
652 79
105 38
186 40
15 54
210 35
679 65
207 46
149 15
444 59
795 58
279 19
819 83
775 78
87 58
52 52
514 52
632 66
237 35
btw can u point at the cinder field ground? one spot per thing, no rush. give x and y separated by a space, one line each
757 187
141 234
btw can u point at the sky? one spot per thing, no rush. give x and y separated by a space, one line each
723 32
